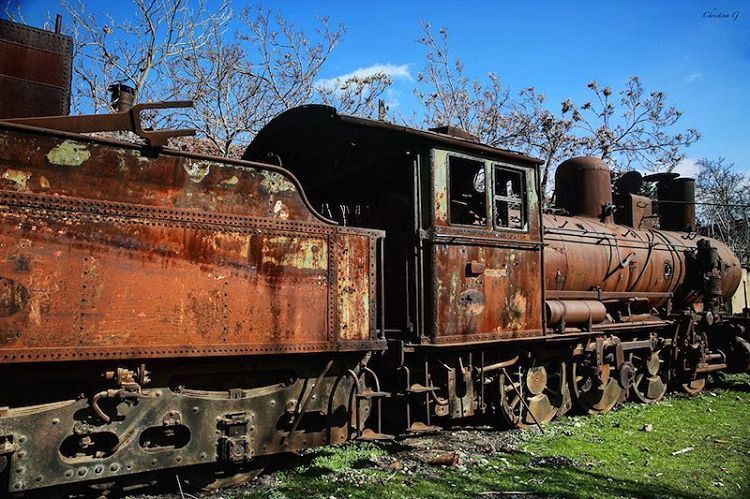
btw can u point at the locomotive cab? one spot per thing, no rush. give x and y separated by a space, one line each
463 250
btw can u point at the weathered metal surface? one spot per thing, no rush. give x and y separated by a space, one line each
582 254
128 119
583 187
200 413
35 71
504 301
109 251
502 297
676 198
575 311
634 211
354 266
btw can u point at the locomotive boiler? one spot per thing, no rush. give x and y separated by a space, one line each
165 310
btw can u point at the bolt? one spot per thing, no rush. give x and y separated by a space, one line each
195 409
69 473
22 439
56 421
82 471
114 467
203 455
17 486
39 478
178 458
99 468
21 453
153 462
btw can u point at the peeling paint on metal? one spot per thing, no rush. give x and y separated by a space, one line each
440 185
18 177
231 181
273 182
299 253
280 211
69 153
13 297
472 301
517 311
197 170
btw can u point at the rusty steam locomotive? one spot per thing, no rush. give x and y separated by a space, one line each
163 309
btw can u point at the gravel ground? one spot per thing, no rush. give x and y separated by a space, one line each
423 455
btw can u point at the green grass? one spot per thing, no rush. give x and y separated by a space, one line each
595 456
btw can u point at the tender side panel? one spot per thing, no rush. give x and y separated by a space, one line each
52 165
107 253
355 271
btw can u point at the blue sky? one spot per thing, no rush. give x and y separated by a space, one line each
700 60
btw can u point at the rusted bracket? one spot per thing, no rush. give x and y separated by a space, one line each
125 121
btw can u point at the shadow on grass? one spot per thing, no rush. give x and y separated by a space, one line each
568 481
732 383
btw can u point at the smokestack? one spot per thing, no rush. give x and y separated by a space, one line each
583 188
122 97
676 197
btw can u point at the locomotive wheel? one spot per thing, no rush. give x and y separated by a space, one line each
595 393
693 385
650 384
536 394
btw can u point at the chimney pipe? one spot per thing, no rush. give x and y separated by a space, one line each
583 188
676 198
122 97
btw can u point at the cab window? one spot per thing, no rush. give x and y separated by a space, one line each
510 198
467 193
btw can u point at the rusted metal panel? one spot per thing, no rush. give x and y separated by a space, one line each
109 251
583 254
486 281
583 187
503 301
35 71
354 270
181 420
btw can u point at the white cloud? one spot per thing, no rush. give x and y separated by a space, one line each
688 167
396 72
692 77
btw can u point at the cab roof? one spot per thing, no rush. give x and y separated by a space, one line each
312 129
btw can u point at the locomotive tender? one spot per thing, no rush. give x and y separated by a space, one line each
162 309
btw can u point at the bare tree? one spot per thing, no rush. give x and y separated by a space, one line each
450 97
134 46
357 95
545 134
725 210
12 11
633 132
486 109
240 82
